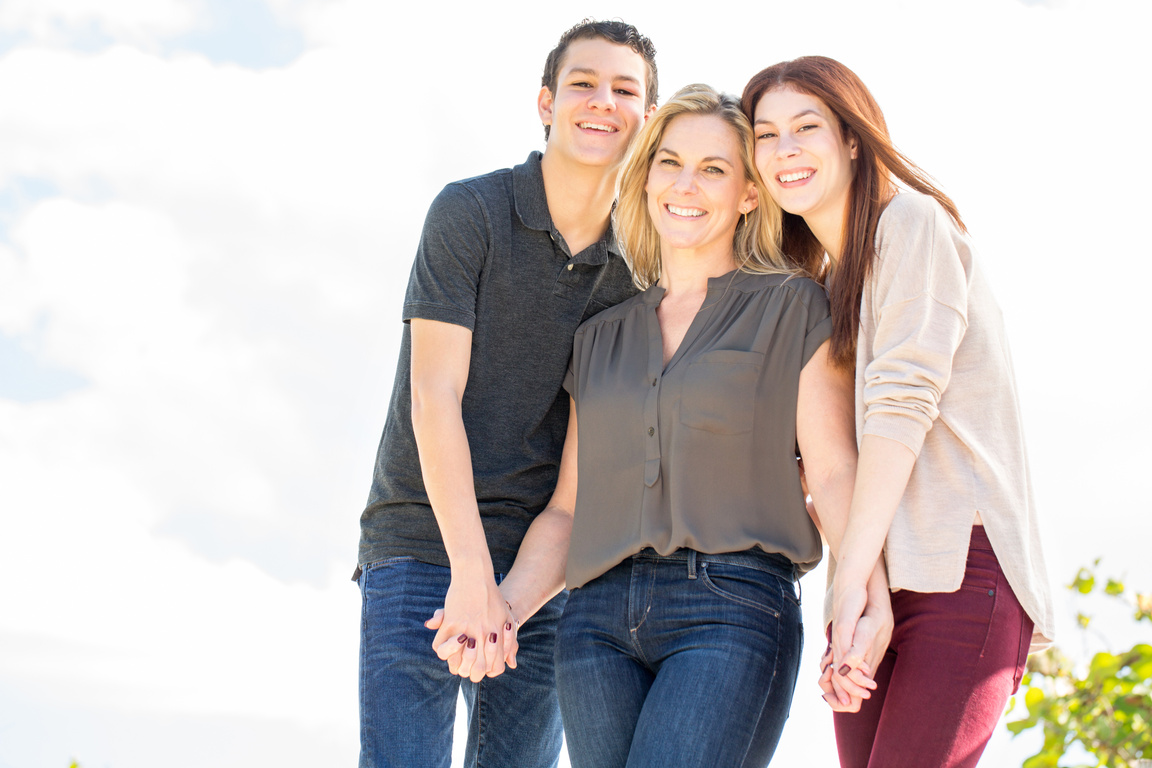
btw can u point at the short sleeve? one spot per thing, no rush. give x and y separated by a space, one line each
920 310
449 260
818 328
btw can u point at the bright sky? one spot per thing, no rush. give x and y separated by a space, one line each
208 210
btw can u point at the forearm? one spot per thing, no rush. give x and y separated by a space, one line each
446 465
538 572
882 474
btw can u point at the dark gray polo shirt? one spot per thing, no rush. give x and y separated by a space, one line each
491 260
700 453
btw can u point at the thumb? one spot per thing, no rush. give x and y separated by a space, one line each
436 620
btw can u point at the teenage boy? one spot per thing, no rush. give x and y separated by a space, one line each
459 516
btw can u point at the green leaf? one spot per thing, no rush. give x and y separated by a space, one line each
1083 620
1084 582
1114 587
1042 760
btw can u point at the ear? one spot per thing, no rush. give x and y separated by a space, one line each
752 200
853 147
651 111
544 106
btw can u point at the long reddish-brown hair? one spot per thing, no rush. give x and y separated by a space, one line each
877 162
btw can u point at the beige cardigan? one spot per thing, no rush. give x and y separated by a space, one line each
933 372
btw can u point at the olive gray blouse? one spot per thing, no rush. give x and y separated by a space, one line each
700 453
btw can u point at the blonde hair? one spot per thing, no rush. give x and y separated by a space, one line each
756 242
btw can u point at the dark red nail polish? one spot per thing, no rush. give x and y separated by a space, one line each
507 625
471 643
492 637
844 669
462 638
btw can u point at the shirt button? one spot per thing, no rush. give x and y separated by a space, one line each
651 431
569 267
653 382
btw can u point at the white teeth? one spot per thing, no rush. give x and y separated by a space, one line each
685 211
797 176
598 127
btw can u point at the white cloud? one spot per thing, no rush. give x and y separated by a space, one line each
59 22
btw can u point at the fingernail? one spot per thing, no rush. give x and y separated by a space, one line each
507 625
492 637
462 638
826 666
844 669
471 643
826 650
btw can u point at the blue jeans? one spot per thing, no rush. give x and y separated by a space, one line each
680 660
408 697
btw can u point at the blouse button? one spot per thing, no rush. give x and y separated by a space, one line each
569 267
651 431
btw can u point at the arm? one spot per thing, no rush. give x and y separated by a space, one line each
474 608
825 430
537 575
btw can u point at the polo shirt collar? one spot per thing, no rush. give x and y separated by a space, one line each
532 207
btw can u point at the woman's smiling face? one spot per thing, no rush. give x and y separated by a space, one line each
802 156
696 184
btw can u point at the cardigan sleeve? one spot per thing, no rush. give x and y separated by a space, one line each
919 310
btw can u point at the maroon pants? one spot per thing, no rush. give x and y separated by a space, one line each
954 659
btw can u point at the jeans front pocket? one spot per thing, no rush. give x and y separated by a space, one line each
719 391
746 586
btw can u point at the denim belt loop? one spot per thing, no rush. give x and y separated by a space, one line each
691 564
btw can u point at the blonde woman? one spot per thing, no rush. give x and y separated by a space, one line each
681 637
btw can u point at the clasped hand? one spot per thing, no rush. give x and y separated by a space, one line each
861 630
475 631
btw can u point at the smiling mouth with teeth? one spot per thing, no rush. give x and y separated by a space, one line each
784 178
684 211
598 127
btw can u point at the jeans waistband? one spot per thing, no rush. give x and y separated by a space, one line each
768 562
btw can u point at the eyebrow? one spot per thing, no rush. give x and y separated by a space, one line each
797 116
596 73
709 159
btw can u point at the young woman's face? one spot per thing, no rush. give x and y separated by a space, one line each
696 185
802 156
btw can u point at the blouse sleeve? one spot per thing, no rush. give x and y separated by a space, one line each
919 305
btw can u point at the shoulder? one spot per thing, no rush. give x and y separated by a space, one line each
475 192
614 314
789 287
913 211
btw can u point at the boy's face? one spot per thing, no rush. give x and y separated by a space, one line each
599 102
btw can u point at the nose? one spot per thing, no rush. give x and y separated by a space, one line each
786 145
685 181
603 98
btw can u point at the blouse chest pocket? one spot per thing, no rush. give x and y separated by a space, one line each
720 391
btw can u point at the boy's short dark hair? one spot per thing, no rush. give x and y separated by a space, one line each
614 32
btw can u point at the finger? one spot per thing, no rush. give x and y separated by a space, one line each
848 686
451 646
454 662
842 633
826 659
511 644
436 620
843 693
467 658
494 654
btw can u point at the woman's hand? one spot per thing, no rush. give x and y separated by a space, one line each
844 693
473 628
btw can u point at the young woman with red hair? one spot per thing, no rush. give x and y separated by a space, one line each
942 486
